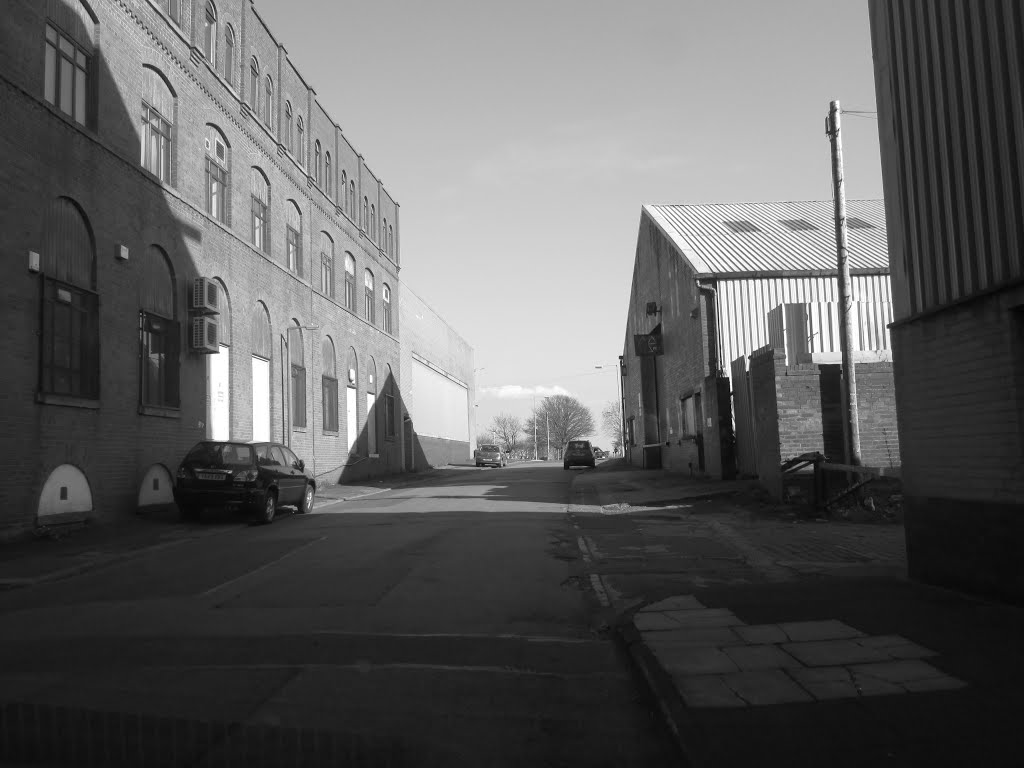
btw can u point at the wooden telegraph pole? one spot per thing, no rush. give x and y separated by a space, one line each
845 293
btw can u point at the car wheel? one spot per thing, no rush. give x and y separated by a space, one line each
269 508
565 466
478 465
306 505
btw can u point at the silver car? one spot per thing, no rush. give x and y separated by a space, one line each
490 455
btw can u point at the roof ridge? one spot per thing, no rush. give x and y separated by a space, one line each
763 202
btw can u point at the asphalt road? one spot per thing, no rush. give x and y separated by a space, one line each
443 624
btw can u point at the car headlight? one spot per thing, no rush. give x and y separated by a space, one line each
184 472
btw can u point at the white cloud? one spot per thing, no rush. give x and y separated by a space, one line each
517 392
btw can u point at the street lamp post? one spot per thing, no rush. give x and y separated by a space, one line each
547 420
618 391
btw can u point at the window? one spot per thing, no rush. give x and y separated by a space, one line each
389 406
254 86
797 225
350 283
174 11
293 237
327 173
298 142
741 226
326 265
268 107
229 55
391 241
630 431
329 386
383 233
386 293
156 143
260 211
288 134
159 333
366 217
368 282
69 339
352 199
316 163
371 407
67 74
343 192
687 416
854 223
217 177
298 366
210 35
373 223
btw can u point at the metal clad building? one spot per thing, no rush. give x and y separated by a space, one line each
705 279
949 81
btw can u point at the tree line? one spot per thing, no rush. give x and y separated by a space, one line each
554 422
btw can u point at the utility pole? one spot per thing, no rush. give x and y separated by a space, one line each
845 293
535 427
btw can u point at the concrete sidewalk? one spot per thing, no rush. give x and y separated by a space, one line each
809 646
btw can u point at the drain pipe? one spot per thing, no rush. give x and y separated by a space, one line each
712 292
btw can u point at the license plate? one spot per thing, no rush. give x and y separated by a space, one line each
209 476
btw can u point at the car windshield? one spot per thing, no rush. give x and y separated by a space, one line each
489 448
578 445
220 455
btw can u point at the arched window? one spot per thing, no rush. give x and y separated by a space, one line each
371 406
260 211
352 199
389 404
350 282
229 55
261 338
343 192
69 69
327 173
384 233
373 222
316 162
69 338
254 86
299 149
370 314
219 378
351 398
218 175
174 11
391 240
386 295
158 107
158 333
329 386
268 109
293 237
297 359
326 265
210 34
366 214
289 135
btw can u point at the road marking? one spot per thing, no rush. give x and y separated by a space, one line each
263 567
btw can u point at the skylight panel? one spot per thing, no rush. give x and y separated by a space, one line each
797 224
854 223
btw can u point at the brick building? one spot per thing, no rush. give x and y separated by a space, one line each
711 285
197 250
950 92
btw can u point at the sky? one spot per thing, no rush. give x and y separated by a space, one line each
522 138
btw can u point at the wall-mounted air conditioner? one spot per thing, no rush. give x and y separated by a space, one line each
205 296
205 335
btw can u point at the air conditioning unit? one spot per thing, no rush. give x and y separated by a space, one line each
205 296
205 335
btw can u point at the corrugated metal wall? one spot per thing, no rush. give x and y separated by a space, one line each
743 305
948 81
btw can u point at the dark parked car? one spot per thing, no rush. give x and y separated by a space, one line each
490 454
578 452
254 477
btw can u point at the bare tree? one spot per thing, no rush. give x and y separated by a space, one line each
509 430
611 423
559 418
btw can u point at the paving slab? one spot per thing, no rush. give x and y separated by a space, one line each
826 683
751 657
833 653
759 634
695 660
677 603
800 631
766 686
708 636
707 691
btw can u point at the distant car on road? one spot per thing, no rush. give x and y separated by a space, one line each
490 455
578 452
600 453
254 477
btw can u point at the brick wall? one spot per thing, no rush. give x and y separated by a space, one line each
47 156
764 364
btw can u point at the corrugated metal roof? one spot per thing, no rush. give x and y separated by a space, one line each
710 238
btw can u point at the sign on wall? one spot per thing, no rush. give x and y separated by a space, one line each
648 344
